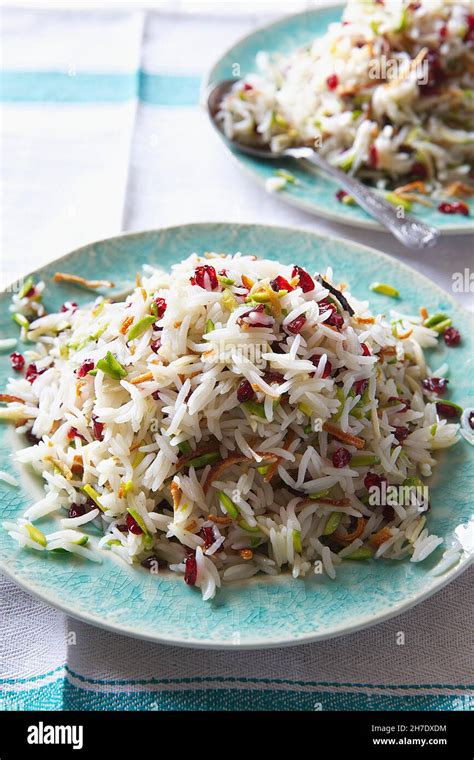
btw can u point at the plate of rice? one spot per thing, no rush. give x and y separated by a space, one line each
230 436
383 90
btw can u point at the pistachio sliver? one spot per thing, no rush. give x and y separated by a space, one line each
204 459
93 494
261 297
332 523
141 326
413 482
297 541
228 300
20 319
384 289
397 200
255 408
35 534
185 447
360 554
364 460
341 398
320 494
140 456
111 367
305 408
228 505
439 316
138 519
287 175
26 287
81 541
440 327
249 528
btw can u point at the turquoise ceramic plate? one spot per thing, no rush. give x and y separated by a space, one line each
261 612
314 192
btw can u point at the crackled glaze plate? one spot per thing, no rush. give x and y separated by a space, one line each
314 192
264 611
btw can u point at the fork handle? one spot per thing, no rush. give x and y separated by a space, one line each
408 230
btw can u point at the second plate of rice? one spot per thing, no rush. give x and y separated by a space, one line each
382 90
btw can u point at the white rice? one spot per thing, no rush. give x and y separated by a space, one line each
7 344
146 443
369 96
7 478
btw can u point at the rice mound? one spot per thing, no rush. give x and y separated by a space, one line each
384 94
198 423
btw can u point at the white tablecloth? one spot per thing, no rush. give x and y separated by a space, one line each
83 159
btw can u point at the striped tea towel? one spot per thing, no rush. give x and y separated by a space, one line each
102 131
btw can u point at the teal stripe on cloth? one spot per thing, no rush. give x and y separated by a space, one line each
261 681
31 679
186 681
47 697
64 695
60 87
169 89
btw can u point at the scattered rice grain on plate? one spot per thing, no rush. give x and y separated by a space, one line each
7 478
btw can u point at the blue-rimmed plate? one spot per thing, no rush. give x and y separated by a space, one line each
266 611
314 192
